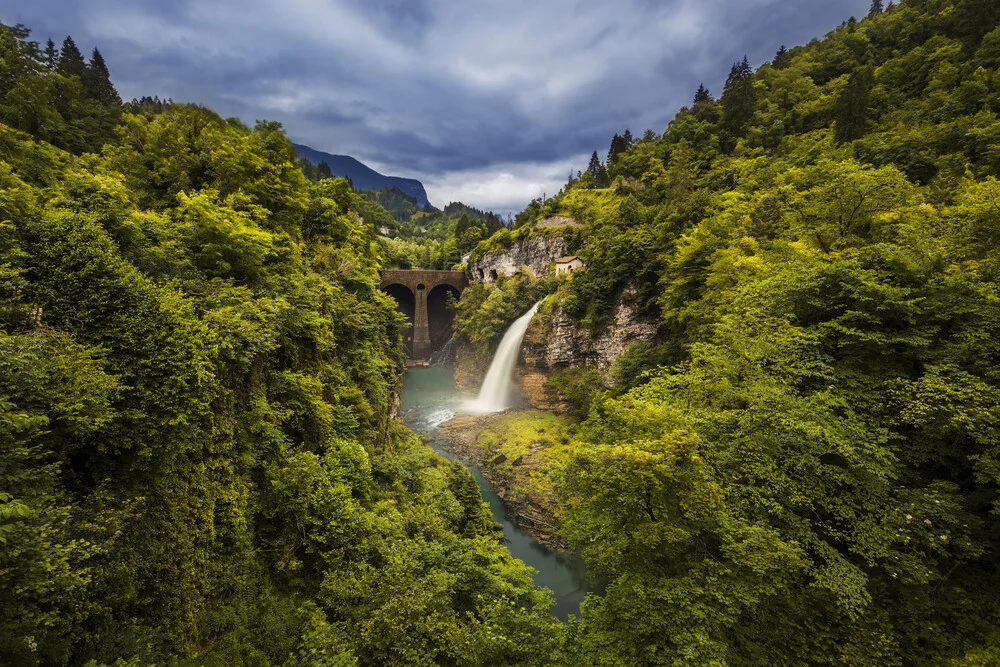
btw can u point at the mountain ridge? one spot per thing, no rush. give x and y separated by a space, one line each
363 176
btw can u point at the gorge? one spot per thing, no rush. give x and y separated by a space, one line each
753 420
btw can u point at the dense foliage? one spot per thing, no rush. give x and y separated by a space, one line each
430 239
197 459
486 310
805 468
197 369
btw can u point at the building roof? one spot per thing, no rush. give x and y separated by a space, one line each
567 259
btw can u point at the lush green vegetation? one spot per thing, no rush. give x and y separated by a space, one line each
805 468
197 459
415 238
532 444
440 239
485 310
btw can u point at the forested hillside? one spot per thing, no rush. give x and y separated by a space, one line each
198 463
805 468
431 239
361 175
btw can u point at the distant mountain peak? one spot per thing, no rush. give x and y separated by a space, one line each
363 176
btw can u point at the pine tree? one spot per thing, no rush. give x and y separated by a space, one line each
97 82
614 149
324 169
597 170
782 58
619 145
852 106
738 100
51 55
702 94
595 164
71 60
876 8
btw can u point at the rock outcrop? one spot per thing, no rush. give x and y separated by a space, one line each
537 253
555 341
469 369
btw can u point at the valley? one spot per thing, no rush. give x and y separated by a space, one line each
727 397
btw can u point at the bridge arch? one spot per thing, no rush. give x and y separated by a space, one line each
439 315
406 303
431 320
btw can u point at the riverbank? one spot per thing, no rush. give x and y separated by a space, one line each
517 451
429 400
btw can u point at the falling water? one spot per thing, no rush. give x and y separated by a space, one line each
495 394
444 355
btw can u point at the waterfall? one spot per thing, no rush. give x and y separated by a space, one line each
444 355
495 394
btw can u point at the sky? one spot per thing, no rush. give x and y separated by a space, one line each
489 102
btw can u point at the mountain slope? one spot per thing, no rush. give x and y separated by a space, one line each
363 176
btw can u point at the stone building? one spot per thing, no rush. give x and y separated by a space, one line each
569 264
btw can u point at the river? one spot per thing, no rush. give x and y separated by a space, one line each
429 398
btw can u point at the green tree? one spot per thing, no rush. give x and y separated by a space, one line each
97 82
738 101
71 61
782 58
852 108
51 55
597 171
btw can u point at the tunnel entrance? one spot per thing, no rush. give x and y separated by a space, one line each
406 303
439 315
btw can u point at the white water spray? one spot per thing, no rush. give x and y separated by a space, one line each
495 394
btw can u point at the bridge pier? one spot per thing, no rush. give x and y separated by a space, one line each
421 326
421 284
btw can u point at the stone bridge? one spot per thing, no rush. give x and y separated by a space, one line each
423 297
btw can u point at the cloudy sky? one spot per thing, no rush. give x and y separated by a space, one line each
491 102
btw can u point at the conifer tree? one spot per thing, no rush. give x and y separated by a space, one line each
71 61
876 8
51 54
702 94
738 99
781 59
324 169
852 106
595 164
619 145
613 149
597 170
97 82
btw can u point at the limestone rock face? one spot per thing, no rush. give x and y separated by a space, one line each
469 370
555 341
537 253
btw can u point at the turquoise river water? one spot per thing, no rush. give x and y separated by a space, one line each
429 399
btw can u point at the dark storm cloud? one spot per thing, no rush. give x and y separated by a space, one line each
490 100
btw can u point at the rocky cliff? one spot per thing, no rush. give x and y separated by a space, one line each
469 369
537 253
555 341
